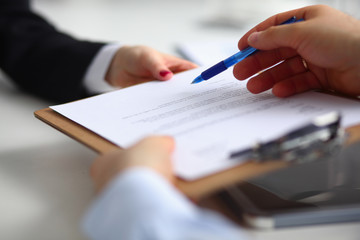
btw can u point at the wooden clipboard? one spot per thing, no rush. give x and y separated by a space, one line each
195 190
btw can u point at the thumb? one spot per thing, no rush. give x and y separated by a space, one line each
276 37
155 153
156 145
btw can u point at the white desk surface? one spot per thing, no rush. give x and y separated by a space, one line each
44 182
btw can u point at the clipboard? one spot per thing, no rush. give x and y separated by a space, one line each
195 190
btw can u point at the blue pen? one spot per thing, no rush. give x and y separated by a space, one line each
232 60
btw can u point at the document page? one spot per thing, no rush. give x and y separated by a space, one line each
208 120
199 53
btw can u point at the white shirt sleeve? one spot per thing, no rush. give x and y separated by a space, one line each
94 79
140 204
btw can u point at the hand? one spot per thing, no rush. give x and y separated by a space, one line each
138 64
328 42
151 152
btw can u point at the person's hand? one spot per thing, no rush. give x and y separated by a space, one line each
152 152
321 52
137 64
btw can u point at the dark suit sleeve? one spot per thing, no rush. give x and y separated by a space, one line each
38 58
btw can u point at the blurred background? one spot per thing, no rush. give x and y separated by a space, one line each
144 21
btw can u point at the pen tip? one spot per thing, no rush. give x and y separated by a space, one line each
197 80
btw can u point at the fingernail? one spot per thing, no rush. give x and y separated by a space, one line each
254 37
164 73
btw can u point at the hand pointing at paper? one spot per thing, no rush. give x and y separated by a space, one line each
321 52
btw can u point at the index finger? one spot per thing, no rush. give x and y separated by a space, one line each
272 21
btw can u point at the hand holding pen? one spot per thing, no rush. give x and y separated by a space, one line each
231 61
328 42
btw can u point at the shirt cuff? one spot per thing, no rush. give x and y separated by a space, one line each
94 80
132 197
141 204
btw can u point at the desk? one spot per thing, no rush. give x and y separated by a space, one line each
44 181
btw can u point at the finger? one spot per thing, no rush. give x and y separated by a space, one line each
260 61
270 77
164 144
155 64
272 21
178 65
155 153
288 35
296 84
99 170
163 66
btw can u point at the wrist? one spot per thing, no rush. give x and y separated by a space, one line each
114 65
94 78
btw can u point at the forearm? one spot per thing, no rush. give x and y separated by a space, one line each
41 60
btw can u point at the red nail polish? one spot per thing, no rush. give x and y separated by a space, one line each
164 73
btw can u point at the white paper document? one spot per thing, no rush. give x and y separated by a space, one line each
208 120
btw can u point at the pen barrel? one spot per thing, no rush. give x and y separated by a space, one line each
234 59
223 65
214 70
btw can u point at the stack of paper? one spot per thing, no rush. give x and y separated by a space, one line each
208 120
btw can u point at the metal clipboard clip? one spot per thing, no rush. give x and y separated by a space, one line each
317 140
